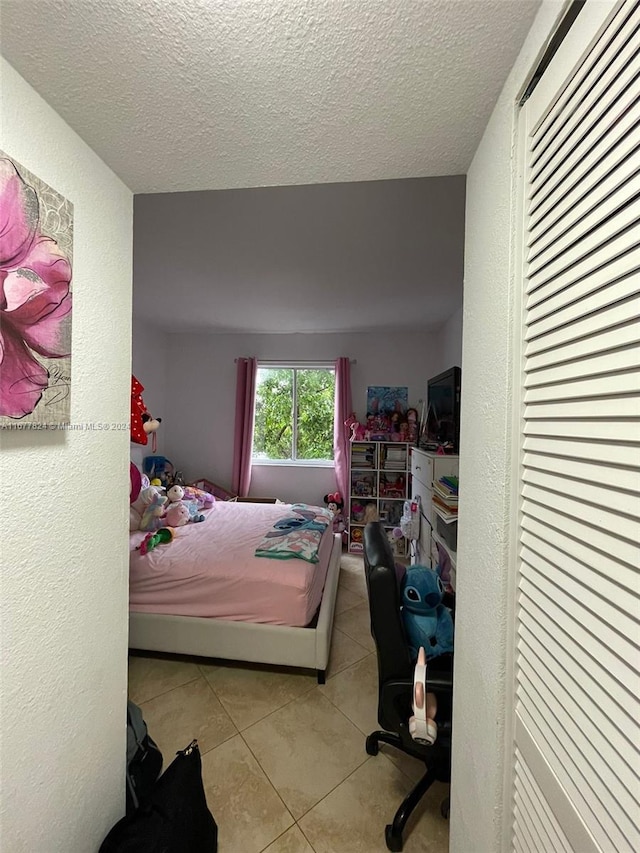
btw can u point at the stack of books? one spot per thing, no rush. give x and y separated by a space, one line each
396 459
445 498
362 456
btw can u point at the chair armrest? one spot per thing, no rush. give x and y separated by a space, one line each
396 699
440 683
392 691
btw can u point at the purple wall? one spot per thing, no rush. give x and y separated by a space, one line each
201 395
390 245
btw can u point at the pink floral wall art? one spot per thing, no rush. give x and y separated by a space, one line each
36 242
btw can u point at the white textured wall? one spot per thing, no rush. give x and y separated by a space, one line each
478 810
200 399
64 525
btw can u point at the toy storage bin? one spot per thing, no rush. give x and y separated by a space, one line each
449 532
356 544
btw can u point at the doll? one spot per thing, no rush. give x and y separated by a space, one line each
412 425
371 513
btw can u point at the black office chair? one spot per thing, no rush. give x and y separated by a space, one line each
395 682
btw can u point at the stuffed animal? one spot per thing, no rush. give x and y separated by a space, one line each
334 502
356 428
177 515
137 508
142 423
175 494
335 505
162 536
150 424
427 621
204 500
422 726
194 513
152 517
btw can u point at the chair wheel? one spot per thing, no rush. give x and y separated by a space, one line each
372 746
394 842
445 808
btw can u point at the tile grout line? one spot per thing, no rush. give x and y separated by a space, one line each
268 778
304 835
347 776
275 710
228 715
328 794
164 692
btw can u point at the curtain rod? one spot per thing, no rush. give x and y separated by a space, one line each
296 361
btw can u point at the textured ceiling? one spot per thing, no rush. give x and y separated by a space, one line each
207 94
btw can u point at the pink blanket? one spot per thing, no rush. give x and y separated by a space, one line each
210 569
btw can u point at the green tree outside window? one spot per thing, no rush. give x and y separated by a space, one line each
294 414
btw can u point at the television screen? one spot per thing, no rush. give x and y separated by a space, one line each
443 415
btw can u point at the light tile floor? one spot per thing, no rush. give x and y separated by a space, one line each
283 758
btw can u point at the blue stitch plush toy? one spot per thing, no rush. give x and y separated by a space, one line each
427 621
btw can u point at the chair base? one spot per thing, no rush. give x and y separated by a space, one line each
393 831
372 744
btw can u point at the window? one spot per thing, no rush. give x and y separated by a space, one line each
294 413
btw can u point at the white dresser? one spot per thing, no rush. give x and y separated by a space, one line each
425 468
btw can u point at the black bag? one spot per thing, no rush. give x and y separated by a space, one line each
174 818
144 759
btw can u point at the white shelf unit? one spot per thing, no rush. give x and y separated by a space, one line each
379 478
426 468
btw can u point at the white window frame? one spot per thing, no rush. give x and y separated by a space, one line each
295 366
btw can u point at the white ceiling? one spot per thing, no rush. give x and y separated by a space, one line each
181 95
207 94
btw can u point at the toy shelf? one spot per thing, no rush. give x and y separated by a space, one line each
378 487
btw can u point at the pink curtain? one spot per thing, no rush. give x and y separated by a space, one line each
243 438
341 433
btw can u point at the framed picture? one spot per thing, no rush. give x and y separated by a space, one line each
36 251
387 399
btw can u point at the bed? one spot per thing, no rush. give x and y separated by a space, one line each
207 594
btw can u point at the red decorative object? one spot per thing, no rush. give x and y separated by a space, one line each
142 422
136 482
138 409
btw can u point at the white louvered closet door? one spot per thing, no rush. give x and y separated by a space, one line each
577 650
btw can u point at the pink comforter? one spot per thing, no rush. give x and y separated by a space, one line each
210 570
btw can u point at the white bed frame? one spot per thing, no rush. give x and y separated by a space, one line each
246 641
